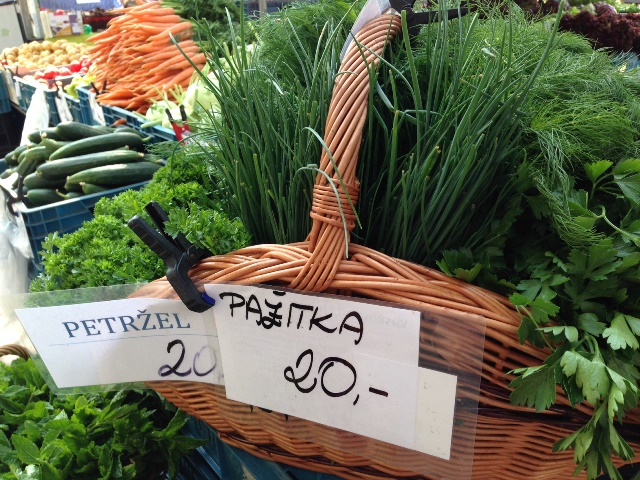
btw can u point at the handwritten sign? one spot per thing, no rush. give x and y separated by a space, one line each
337 362
122 341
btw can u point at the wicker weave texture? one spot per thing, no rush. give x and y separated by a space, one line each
510 442
17 350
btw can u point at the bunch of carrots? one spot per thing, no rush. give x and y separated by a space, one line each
137 58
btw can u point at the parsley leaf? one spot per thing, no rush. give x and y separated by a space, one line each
536 387
591 375
619 335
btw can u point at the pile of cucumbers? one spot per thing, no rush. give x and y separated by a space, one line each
73 159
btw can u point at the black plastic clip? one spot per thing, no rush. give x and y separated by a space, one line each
97 90
178 254
11 201
416 19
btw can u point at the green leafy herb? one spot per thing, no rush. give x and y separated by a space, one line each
124 435
105 251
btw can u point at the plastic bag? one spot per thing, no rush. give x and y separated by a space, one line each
37 116
15 250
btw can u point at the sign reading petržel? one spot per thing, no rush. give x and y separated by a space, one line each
122 341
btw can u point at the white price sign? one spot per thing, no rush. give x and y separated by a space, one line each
122 341
96 109
336 362
63 109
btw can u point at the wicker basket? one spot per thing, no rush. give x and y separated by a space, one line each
510 442
17 350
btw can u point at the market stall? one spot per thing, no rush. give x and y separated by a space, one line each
398 246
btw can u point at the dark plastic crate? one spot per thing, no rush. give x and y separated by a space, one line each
26 93
74 108
217 460
63 217
11 125
5 104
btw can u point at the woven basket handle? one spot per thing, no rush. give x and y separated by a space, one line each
18 350
343 135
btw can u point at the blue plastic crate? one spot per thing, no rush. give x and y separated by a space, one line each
63 217
26 93
74 108
5 104
114 114
161 134
217 460
133 120
85 106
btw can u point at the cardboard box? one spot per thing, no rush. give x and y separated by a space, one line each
63 25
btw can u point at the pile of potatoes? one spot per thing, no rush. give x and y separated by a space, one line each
37 55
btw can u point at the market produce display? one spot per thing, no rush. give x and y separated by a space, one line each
73 159
40 55
605 27
511 162
137 58
125 435
503 157
105 251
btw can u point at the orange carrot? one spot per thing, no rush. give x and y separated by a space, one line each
165 54
178 63
173 30
160 19
178 79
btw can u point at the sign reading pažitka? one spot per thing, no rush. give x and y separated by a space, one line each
123 341
336 362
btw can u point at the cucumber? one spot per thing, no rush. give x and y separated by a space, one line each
109 141
116 175
17 152
69 195
90 188
127 129
39 154
7 173
77 131
53 145
72 187
33 180
32 158
9 160
51 133
21 157
42 196
102 129
68 166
